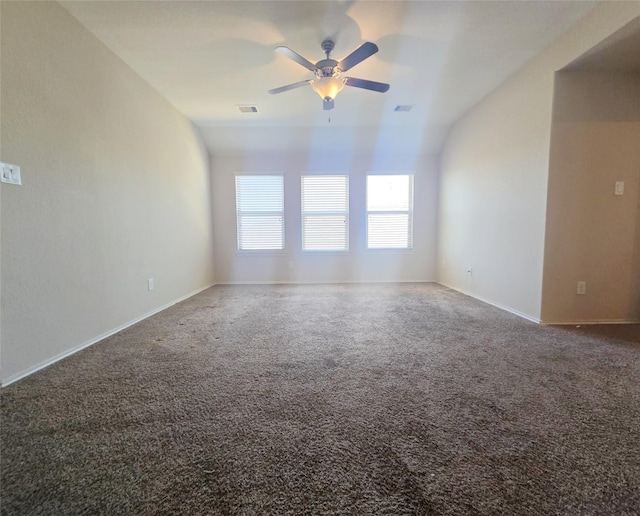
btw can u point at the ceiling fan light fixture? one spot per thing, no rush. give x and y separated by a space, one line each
327 87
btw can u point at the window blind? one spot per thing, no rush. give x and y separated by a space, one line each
260 212
325 213
390 211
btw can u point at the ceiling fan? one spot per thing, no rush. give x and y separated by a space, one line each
329 80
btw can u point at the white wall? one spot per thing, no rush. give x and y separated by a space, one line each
115 190
591 234
494 170
356 265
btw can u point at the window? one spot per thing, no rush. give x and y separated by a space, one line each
390 212
325 213
260 212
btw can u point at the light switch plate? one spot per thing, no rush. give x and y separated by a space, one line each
10 174
619 188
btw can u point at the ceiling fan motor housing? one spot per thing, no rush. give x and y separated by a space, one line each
327 68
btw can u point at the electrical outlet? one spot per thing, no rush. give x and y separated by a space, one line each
619 188
10 174
581 288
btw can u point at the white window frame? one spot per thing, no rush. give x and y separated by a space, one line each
260 215
398 212
307 241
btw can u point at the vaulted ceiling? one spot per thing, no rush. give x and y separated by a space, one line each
440 57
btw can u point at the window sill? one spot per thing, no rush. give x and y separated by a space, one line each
325 251
390 250
261 252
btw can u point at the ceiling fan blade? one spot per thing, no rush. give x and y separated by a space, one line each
286 51
367 85
358 55
327 104
289 87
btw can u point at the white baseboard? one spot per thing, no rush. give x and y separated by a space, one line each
589 322
18 376
539 321
326 282
497 305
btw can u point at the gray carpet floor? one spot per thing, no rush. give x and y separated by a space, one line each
331 399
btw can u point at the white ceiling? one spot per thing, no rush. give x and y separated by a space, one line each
442 57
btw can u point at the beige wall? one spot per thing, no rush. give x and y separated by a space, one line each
115 190
494 170
592 235
356 265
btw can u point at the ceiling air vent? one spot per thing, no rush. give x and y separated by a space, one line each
248 109
403 108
